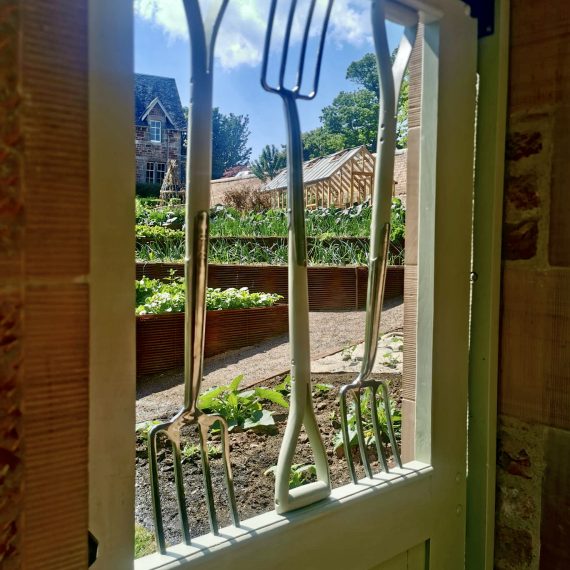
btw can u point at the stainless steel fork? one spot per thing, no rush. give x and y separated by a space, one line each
301 412
202 37
391 77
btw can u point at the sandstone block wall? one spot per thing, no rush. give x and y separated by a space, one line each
533 463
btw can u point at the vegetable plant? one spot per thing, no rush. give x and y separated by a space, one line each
366 412
192 451
242 410
154 297
298 475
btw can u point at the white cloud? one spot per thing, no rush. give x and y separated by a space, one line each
243 29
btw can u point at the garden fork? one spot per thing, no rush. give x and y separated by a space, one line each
301 412
202 37
390 83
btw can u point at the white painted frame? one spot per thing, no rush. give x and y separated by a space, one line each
424 501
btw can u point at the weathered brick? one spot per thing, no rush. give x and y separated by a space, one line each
522 191
521 145
520 240
513 549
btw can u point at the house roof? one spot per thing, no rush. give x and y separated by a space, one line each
316 169
152 89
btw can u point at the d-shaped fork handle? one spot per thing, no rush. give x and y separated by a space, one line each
391 77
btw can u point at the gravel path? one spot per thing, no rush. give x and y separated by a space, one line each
160 395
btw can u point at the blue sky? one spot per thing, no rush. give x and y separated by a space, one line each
162 48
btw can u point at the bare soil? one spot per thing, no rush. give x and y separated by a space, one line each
251 455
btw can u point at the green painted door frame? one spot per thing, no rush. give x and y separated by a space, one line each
486 277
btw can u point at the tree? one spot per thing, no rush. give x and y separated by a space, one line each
354 115
365 73
229 141
270 162
320 142
352 118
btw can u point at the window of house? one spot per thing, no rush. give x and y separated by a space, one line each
160 171
150 172
155 131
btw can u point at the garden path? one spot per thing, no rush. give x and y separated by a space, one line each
160 395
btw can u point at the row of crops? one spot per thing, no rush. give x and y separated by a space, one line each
335 236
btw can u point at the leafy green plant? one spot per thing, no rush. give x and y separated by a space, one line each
390 360
321 388
299 474
365 410
339 236
143 428
347 352
192 451
155 297
243 410
284 387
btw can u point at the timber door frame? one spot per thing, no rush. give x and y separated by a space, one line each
439 468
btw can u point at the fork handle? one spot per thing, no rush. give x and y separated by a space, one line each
203 32
301 411
391 77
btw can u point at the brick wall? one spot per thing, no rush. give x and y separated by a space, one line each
533 467
401 172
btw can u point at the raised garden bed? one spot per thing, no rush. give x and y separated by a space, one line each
330 288
160 338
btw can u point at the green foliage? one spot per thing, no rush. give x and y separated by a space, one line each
354 115
299 474
158 233
364 72
321 142
147 190
192 451
154 297
324 226
144 428
352 118
243 410
270 162
365 410
144 541
229 141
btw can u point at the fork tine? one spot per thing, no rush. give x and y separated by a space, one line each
345 435
319 61
360 434
266 48
286 41
389 423
154 488
180 495
304 43
228 475
207 475
376 427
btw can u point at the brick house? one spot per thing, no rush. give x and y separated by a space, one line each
160 127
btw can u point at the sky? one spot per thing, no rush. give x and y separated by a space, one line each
162 48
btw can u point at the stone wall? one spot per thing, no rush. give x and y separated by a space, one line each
533 462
